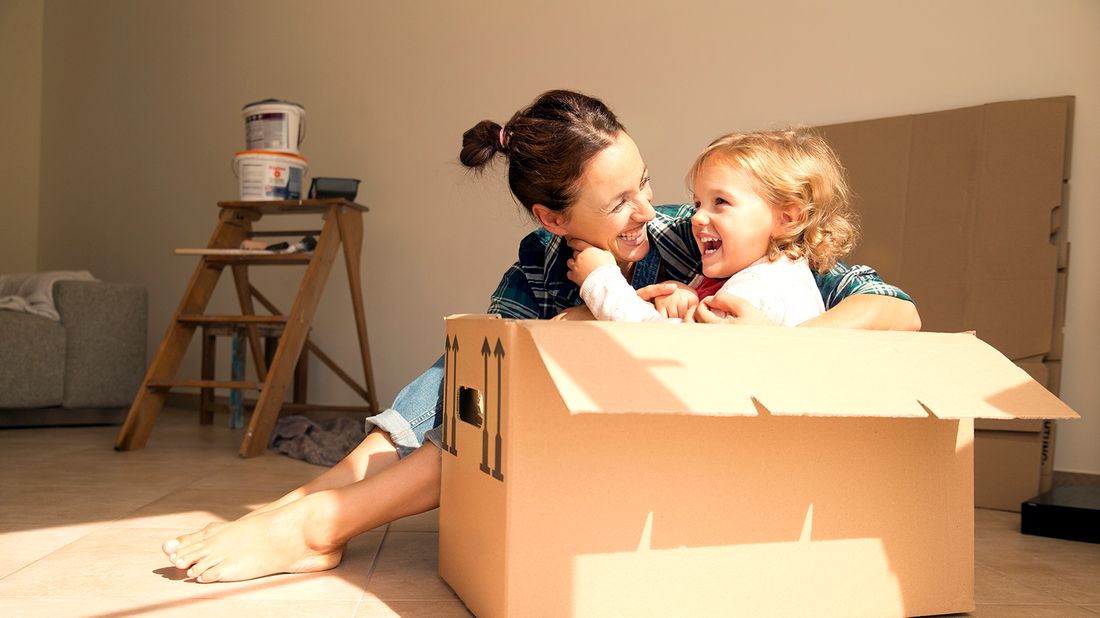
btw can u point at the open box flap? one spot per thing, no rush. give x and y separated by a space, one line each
719 370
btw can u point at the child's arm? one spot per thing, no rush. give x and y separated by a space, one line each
672 299
604 289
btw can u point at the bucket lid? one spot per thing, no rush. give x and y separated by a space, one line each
270 153
273 102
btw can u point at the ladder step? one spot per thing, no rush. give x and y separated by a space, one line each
229 320
282 233
165 384
276 259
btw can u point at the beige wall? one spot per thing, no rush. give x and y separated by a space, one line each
21 106
141 121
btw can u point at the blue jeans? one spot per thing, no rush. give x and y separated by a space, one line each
417 408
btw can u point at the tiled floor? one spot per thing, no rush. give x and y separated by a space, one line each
81 525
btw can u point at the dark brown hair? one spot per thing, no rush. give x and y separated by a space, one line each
548 144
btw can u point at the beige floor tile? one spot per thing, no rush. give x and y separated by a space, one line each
25 453
190 509
64 504
65 607
993 587
78 512
373 607
1030 611
104 466
71 436
126 563
1065 570
408 569
424 522
22 547
268 471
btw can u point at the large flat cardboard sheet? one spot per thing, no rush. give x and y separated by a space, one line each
964 209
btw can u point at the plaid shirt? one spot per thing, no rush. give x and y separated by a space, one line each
535 287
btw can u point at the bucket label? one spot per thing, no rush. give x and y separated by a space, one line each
267 130
260 180
293 189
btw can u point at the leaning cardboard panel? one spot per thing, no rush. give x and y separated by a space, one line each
603 469
966 210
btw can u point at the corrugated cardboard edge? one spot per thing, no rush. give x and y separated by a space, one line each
888 374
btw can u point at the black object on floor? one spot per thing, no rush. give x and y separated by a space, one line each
1071 513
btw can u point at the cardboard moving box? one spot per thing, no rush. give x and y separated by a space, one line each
596 469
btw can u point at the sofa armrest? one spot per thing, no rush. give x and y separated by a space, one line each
105 334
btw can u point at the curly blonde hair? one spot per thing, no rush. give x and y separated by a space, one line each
794 166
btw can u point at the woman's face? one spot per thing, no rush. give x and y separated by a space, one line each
613 203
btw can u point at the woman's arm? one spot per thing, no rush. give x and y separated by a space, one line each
869 311
856 297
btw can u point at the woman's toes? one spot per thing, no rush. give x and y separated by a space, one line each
170 546
185 559
211 575
201 570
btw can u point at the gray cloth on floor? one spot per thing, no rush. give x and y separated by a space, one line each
319 442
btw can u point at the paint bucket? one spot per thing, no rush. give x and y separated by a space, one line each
273 124
269 175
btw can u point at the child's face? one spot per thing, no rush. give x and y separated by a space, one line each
733 223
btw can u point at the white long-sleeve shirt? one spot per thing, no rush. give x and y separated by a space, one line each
784 290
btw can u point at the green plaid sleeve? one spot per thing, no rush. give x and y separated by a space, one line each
843 281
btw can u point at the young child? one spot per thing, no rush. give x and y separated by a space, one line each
771 206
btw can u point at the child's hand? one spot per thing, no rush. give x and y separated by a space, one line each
586 258
672 299
726 308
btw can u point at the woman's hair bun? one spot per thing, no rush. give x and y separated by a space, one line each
479 144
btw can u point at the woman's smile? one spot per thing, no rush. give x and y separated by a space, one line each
633 238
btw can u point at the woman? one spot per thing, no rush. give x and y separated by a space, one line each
572 165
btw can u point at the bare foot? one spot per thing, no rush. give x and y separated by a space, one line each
289 539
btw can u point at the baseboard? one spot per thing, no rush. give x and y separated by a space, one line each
1078 479
61 417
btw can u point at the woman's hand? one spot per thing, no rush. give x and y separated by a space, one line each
572 314
672 299
586 258
726 308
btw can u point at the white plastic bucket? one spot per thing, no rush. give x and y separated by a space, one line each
269 175
273 124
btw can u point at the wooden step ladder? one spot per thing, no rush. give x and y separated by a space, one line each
342 225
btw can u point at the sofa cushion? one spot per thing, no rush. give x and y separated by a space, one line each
105 341
32 361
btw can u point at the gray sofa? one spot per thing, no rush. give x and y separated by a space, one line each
85 368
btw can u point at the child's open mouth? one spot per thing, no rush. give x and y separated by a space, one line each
710 245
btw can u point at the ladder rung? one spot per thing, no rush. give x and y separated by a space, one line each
164 384
281 233
211 320
260 260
